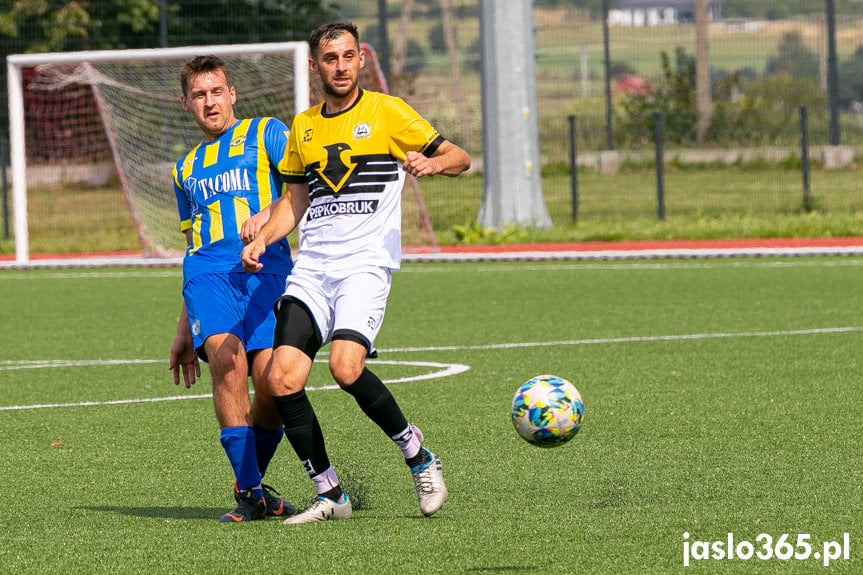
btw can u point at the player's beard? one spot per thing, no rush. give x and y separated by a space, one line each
331 89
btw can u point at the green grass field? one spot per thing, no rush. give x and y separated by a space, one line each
702 202
721 396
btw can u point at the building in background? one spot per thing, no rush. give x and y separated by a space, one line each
660 12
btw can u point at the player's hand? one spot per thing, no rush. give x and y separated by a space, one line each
251 227
184 358
250 256
418 165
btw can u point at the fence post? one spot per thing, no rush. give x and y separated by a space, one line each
3 177
573 167
609 138
804 157
832 73
660 180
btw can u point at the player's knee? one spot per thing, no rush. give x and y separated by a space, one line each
284 381
346 373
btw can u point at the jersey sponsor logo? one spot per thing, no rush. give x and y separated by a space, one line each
238 141
364 174
353 208
229 182
362 130
307 135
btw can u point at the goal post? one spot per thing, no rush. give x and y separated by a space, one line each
138 99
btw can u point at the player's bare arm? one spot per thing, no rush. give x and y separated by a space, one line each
183 356
449 160
285 214
252 226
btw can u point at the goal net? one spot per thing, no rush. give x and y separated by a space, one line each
94 136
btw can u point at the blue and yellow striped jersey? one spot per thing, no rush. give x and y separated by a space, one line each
219 185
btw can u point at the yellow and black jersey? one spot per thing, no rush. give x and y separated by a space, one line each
352 162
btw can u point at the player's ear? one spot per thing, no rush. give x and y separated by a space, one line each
313 67
362 59
185 103
233 95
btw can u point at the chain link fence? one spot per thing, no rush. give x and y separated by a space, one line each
764 66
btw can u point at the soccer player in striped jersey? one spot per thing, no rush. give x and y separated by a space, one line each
227 318
345 168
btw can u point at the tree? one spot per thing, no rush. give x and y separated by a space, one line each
28 26
702 68
409 63
455 72
400 46
63 25
793 57
244 21
673 95
851 79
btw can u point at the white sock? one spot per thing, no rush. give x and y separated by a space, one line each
325 480
409 441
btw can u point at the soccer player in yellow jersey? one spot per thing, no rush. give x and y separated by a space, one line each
344 169
227 317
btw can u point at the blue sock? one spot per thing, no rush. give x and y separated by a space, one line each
239 444
266 442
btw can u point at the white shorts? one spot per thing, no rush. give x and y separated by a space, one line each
343 302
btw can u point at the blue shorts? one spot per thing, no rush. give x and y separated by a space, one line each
238 303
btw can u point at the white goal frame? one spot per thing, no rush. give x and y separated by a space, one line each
17 62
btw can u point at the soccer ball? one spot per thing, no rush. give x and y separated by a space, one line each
547 411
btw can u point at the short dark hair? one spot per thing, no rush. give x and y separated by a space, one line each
328 32
201 65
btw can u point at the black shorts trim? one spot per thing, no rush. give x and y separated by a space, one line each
296 327
357 337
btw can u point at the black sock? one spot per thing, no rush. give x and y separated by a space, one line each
303 431
420 458
333 493
378 403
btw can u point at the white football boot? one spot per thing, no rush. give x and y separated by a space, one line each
323 509
428 480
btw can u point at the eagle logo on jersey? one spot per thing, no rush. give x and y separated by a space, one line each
307 135
336 170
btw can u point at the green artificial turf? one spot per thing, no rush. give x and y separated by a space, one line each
721 396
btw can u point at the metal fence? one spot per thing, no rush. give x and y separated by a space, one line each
762 72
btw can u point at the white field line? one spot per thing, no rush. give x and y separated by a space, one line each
656 253
445 369
442 370
631 339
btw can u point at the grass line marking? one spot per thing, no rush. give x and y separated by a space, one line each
443 370
686 264
631 339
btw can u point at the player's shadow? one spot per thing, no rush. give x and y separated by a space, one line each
159 512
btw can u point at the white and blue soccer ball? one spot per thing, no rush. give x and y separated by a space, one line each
547 411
